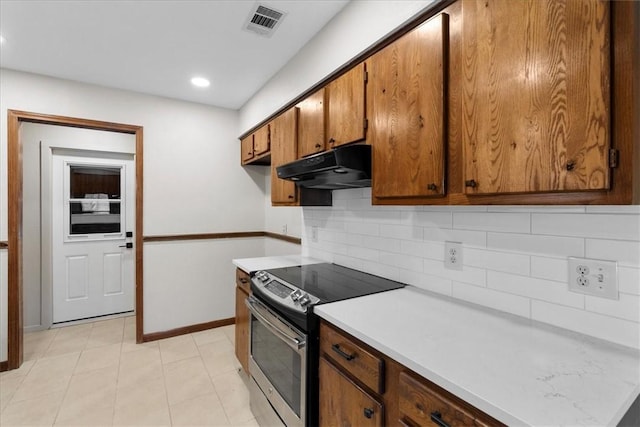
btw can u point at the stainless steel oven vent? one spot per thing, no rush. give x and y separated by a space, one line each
264 20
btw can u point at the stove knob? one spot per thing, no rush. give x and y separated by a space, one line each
304 300
295 295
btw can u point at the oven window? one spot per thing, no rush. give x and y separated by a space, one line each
279 363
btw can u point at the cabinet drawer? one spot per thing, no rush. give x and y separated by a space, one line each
242 280
367 367
424 405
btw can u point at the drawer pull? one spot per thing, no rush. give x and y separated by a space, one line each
243 280
347 356
368 412
436 417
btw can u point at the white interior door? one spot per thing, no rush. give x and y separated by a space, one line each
93 219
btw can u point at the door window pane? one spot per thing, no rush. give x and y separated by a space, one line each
95 199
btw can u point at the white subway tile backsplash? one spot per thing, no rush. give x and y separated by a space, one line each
499 261
432 250
629 280
401 231
531 209
546 290
515 257
472 275
363 253
370 229
626 253
350 193
429 219
509 303
425 281
381 243
627 307
536 245
619 227
550 268
469 238
404 262
614 209
607 328
358 204
516 222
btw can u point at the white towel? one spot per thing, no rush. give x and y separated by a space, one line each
95 204
88 206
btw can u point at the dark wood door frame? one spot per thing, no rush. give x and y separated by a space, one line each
15 261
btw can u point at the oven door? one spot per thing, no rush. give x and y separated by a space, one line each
277 363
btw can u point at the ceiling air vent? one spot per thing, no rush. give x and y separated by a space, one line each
264 20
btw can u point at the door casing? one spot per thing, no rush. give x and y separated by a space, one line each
15 261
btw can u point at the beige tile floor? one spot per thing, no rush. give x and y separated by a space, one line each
95 374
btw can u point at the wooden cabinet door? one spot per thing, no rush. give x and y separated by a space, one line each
246 147
311 119
242 329
536 95
407 113
346 108
261 140
343 402
284 132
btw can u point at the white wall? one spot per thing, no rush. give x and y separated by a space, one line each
358 26
514 258
193 183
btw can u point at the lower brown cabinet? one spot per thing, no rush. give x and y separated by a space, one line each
343 402
242 319
350 397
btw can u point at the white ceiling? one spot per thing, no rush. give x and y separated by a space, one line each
155 47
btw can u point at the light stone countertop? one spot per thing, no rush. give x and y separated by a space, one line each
249 265
519 371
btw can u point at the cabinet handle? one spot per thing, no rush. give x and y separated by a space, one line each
347 356
243 280
290 196
471 183
318 146
368 412
436 417
571 165
432 187
331 140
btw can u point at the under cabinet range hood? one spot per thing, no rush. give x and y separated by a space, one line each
340 168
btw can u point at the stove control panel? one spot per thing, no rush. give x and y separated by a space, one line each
282 293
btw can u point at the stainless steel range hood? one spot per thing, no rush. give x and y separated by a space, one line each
340 168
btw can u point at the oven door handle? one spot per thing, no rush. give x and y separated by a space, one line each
256 310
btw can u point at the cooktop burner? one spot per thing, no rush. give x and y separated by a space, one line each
332 282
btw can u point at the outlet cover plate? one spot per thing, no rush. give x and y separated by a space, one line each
594 277
453 255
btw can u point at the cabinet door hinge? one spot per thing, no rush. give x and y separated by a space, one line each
366 123
613 158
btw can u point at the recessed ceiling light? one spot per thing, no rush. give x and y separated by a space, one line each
2 40
200 82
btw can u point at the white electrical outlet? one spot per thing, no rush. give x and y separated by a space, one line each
593 277
314 233
453 255
284 229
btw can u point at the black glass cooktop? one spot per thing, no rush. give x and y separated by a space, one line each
332 282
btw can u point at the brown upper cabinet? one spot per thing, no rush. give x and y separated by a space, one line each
255 147
311 120
406 107
346 120
284 142
246 147
536 104
261 141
